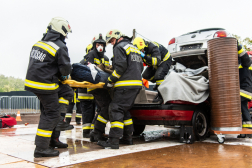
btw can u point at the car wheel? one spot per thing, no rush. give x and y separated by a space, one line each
138 129
200 125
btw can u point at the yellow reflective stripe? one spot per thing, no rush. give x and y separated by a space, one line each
101 119
78 115
167 56
42 86
90 89
44 133
154 61
155 43
87 127
86 97
68 115
240 66
116 74
241 50
128 83
107 63
131 49
246 125
97 61
46 47
92 126
74 97
63 101
151 78
245 95
117 124
110 79
128 122
158 82
102 60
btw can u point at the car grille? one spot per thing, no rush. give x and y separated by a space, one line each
190 47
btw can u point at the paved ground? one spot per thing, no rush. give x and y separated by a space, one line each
17 146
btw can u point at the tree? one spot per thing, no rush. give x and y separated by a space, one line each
247 42
8 84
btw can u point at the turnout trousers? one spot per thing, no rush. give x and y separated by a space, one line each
50 115
102 99
69 113
156 75
120 118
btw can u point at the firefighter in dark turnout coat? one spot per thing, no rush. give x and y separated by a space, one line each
157 57
49 62
95 56
126 79
245 74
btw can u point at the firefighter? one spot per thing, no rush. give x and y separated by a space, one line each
159 60
245 74
95 56
69 113
49 62
126 80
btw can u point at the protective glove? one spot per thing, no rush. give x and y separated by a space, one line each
142 54
63 78
107 85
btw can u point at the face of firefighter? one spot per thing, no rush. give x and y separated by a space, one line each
99 47
112 41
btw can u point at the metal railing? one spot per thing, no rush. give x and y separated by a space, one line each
24 104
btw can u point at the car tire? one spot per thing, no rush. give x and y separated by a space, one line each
200 123
138 129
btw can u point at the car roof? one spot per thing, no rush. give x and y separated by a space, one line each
201 30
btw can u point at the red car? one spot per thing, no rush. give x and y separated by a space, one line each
172 113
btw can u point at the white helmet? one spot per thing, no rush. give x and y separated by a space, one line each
60 25
113 34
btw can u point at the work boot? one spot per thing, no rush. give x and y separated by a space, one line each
126 139
86 133
241 136
68 120
63 126
96 135
78 121
111 143
55 143
48 152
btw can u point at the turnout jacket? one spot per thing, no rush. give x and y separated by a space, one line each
96 58
245 72
127 64
48 61
155 54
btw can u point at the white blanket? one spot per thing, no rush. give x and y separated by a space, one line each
177 86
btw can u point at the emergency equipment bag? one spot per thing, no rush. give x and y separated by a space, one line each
7 121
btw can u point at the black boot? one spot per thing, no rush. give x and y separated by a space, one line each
48 152
78 121
63 126
96 136
86 133
55 143
68 120
126 139
111 143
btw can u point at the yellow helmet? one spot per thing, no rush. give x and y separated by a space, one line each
60 25
113 34
139 42
89 47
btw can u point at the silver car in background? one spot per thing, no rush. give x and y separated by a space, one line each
192 46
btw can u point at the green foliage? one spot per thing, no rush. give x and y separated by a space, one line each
247 42
8 84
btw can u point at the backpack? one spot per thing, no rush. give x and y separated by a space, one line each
7 121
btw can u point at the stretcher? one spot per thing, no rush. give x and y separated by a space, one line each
84 84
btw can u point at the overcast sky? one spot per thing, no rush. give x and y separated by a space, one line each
23 23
